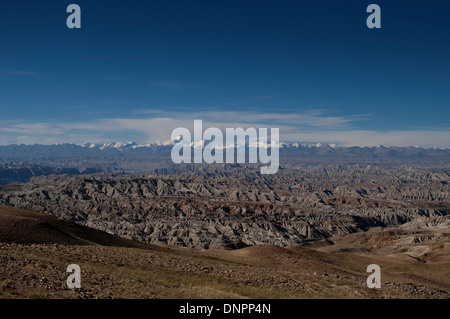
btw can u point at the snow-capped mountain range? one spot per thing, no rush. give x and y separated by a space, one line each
163 148
282 145
122 145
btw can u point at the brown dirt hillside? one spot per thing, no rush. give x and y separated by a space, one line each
27 227
35 250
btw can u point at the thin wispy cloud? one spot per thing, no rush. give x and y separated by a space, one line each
266 97
173 85
115 78
29 73
33 129
312 118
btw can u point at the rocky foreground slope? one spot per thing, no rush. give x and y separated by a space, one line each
35 250
233 207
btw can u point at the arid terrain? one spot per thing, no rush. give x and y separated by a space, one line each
226 231
34 257
234 207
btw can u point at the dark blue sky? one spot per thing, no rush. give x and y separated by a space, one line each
134 59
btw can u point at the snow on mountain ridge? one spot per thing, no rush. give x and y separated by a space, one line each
287 145
134 145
